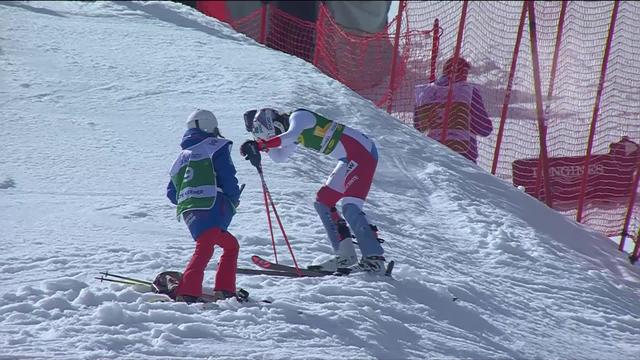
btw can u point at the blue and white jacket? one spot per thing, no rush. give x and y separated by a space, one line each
228 198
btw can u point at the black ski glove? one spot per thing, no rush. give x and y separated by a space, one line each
249 150
248 119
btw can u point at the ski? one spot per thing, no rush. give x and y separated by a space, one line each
241 295
276 273
266 264
389 269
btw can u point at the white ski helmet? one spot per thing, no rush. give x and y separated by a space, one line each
268 123
203 120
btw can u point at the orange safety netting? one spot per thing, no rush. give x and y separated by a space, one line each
387 66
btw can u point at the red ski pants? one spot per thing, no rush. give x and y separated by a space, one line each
193 275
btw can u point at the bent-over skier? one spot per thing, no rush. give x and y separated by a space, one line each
279 134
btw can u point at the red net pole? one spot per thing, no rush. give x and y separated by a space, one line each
552 79
542 126
636 250
632 200
435 47
394 58
263 24
556 51
320 34
456 55
596 110
507 95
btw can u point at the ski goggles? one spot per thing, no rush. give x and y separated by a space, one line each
262 127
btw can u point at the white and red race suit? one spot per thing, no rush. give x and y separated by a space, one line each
356 153
350 181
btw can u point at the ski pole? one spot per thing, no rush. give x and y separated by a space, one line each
266 206
267 193
142 282
119 281
255 160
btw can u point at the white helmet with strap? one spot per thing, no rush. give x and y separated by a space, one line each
203 120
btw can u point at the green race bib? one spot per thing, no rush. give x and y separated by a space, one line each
194 177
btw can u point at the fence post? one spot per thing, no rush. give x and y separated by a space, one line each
632 200
556 51
635 254
456 55
507 95
596 110
319 38
542 126
435 48
552 79
394 58
263 24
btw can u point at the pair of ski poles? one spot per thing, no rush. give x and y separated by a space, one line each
269 200
119 279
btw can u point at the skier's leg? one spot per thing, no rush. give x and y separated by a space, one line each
357 219
226 273
326 199
324 212
358 182
342 245
372 253
336 228
191 283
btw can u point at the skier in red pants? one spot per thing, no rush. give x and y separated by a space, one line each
205 189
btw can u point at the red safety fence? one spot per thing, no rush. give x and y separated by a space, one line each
560 83
562 86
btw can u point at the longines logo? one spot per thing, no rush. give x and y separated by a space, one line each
572 171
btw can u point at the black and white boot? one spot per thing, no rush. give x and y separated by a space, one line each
372 264
345 257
